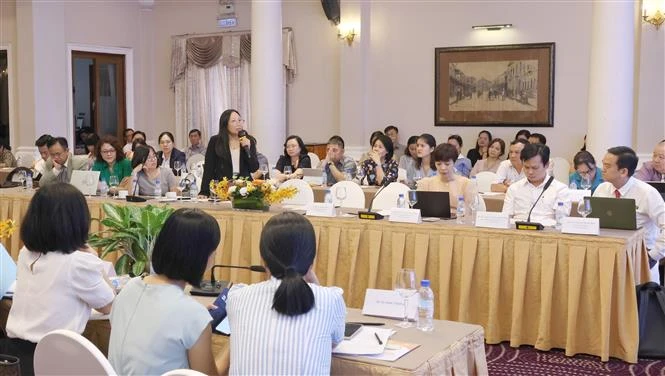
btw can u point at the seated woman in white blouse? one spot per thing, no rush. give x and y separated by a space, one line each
446 180
155 325
59 278
288 324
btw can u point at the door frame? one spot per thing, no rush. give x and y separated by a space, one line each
12 100
129 82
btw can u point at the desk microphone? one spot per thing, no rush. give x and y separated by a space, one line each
134 197
369 214
214 287
528 225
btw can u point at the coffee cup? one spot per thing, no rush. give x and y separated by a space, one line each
122 194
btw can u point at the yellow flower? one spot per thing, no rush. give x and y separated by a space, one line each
7 228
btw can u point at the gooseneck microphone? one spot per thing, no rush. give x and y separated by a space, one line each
214 287
243 133
369 214
528 225
134 197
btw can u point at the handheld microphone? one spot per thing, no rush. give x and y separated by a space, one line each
369 214
528 225
243 133
214 287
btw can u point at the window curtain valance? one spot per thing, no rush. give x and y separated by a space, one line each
207 50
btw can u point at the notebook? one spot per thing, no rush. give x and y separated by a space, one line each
618 213
7 271
85 181
433 204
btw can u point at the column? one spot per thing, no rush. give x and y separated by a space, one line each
611 76
268 109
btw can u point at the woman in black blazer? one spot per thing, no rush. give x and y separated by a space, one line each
166 143
221 148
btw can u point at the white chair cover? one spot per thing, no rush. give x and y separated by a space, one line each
305 195
485 180
183 372
355 197
560 169
194 160
315 159
63 352
387 198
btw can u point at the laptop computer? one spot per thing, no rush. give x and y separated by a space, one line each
660 187
85 181
618 213
312 175
7 271
434 204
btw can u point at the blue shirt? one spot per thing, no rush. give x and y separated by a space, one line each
577 179
463 166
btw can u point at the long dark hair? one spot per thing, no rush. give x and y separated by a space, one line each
301 144
222 144
288 247
489 135
431 141
412 140
387 144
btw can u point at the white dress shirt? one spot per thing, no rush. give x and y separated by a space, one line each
650 214
505 171
521 196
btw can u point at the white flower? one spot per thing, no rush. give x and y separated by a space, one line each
243 191
232 188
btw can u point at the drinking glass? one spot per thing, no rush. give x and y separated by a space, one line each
405 285
213 195
585 183
89 181
416 178
340 193
584 207
288 170
413 198
264 171
177 166
113 183
21 178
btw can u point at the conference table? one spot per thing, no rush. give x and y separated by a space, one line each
542 288
452 348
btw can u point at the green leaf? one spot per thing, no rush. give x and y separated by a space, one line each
113 211
122 265
138 268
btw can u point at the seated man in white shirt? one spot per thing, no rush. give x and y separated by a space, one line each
618 167
42 148
129 134
510 170
525 194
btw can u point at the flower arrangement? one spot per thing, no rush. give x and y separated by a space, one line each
250 194
7 228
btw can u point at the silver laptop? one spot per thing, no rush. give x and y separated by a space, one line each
85 181
313 175
7 271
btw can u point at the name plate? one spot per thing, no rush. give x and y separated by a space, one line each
320 209
492 220
313 180
576 195
405 215
577 225
388 303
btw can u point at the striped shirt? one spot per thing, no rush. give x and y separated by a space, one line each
266 342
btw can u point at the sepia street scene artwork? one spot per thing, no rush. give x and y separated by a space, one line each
493 86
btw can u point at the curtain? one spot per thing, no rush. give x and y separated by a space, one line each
210 73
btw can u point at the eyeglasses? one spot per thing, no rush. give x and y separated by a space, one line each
152 158
238 121
108 151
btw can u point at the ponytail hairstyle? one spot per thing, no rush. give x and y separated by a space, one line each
288 248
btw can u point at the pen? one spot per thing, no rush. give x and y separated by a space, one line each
366 323
378 339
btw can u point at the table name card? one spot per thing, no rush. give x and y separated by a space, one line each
492 219
321 209
576 225
388 303
405 215
576 195
313 180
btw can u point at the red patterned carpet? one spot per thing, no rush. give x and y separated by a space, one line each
527 361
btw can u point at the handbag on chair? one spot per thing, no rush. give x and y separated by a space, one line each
651 313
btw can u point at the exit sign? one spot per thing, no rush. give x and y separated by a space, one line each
227 22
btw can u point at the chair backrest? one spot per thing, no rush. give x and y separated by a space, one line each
387 198
560 169
315 159
355 197
183 372
484 180
305 193
194 160
63 352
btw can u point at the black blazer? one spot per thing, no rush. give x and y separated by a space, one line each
176 155
304 162
218 167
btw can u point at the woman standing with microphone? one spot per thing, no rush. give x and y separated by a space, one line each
232 152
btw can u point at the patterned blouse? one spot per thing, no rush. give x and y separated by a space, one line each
390 170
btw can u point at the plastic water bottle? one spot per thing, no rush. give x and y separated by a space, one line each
572 185
560 214
103 188
328 197
324 178
193 190
473 207
401 202
425 307
158 188
28 181
460 209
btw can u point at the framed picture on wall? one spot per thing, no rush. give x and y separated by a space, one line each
506 85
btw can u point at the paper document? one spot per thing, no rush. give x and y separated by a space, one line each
365 342
394 350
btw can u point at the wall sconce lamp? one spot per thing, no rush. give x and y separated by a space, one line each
652 12
492 27
346 33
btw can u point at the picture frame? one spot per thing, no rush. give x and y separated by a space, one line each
501 85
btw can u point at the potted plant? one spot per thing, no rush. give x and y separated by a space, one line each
7 228
250 194
131 230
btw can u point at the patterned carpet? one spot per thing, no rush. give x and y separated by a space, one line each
527 361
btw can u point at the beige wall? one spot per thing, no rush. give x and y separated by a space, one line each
395 59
